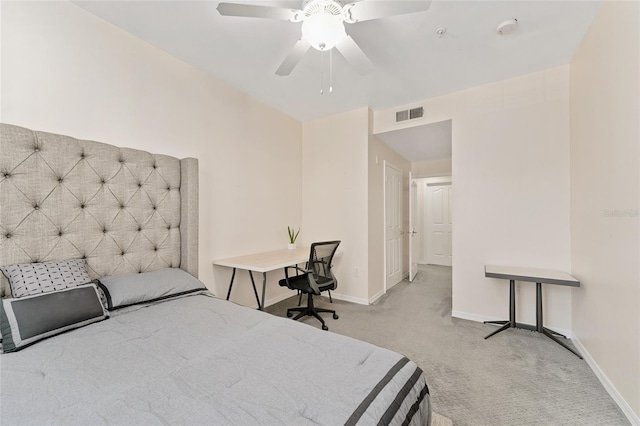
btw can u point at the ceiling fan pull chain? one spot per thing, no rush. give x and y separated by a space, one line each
331 71
322 73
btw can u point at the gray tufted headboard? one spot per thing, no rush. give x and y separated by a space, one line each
121 209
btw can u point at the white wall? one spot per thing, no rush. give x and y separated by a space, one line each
66 71
605 177
334 195
510 156
440 167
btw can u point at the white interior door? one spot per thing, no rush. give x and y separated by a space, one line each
413 234
439 225
393 225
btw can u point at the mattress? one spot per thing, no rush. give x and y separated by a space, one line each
197 359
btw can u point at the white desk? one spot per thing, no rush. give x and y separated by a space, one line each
538 276
263 262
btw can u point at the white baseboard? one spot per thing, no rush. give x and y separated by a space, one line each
611 389
483 318
274 300
373 299
472 317
358 300
346 298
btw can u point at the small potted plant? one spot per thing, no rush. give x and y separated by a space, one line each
293 236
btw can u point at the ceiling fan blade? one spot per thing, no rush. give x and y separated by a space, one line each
253 11
354 55
292 59
366 10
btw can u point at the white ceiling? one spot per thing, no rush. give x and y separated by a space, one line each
411 62
421 143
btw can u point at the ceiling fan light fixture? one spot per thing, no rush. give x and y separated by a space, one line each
323 30
323 25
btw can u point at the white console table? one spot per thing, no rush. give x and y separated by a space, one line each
538 276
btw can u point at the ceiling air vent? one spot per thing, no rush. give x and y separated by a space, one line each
416 113
402 115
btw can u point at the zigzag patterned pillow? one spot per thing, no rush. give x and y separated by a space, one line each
34 278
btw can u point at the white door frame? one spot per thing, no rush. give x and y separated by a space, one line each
413 210
384 218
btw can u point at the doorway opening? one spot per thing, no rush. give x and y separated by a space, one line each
428 150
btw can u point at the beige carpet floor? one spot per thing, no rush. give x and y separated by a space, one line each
438 420
518 377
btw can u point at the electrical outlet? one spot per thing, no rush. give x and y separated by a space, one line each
356 272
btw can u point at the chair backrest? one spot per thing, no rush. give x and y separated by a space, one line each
320 258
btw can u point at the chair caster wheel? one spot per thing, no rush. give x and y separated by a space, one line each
335 316
324 327
289 314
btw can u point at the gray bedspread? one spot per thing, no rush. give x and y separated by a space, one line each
201 360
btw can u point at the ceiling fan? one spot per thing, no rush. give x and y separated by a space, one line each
323 25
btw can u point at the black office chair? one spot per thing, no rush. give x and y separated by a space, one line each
316 278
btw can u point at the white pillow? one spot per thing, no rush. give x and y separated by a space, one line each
34 278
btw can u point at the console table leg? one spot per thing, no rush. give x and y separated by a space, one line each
555 332
504 327
511 322
540 328
561 343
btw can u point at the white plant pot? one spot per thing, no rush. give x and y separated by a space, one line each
291 246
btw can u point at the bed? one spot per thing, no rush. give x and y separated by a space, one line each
159 348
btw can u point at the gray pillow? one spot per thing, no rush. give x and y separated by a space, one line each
127 290
29 319
35 278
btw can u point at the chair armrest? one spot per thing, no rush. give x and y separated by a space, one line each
285 282
286 270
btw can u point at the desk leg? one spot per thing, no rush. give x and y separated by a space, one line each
264 289
540 328
233 275
511 322
512 303
253 283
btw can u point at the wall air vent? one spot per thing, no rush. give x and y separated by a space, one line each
402 115
409 114
416 113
